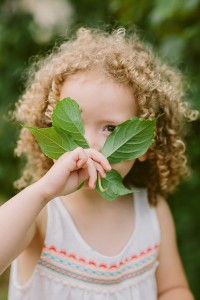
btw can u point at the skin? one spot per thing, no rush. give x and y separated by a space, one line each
105 104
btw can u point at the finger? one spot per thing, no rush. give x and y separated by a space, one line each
82 161
74 159
100 169
92 174
99 158
83 175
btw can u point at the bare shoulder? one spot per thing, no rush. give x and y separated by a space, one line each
170 273
38 229
29 257
38 238
41 223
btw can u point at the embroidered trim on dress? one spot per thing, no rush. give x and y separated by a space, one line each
69 268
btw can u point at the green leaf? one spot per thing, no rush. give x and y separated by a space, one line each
67 116
129 140
53 142
113 186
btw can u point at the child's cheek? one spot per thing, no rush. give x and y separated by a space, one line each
123 167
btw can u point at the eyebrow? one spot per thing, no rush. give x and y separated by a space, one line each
113 121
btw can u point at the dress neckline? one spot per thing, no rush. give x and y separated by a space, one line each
86 245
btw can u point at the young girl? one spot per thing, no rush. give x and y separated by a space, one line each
69 243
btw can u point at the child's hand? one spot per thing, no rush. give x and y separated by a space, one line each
71 169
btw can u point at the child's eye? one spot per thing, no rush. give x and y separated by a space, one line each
109 128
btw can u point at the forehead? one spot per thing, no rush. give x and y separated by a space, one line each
98 94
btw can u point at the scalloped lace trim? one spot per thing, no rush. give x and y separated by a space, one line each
97 288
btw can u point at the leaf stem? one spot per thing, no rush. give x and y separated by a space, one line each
100 185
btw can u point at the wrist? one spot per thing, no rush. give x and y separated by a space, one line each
40 192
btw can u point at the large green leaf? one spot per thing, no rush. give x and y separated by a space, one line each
129 140
112 185
67 116
53 142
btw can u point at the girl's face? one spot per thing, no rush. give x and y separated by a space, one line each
104 104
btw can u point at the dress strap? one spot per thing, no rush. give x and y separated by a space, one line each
147 218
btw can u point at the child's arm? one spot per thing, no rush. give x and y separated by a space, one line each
18 215
171 279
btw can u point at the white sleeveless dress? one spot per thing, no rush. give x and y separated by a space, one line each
69 269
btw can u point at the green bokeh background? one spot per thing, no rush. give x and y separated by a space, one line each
171 26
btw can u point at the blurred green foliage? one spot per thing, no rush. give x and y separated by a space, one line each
172 27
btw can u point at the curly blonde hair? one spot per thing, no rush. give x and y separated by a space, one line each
158 91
